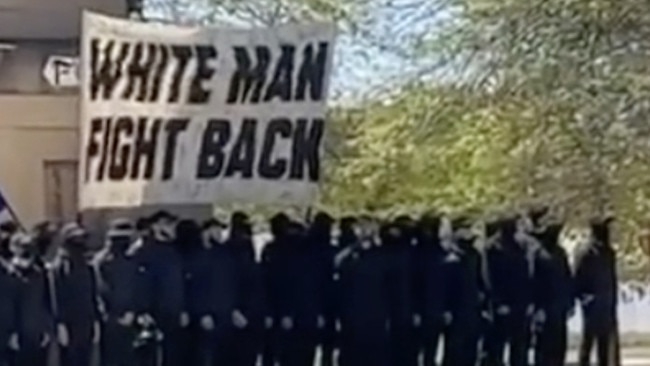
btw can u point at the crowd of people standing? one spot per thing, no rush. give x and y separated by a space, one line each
400 292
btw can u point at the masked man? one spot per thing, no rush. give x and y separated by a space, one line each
247 319
397 242
596 286
164 280
431 287
8 298
76 299
120 282
510 277
364 303
34 318
274 263
466 290
553 298
322 250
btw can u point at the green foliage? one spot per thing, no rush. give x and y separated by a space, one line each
541 100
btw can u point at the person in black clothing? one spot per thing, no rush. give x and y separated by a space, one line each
510 277
465 291
7 230
9 291
397 242
319 239
245 341
597 291
211 291
364 307
120 281
431 287
297 305
553 298
195 255
274 258
76 299
347 235
163 291
487 342
34 318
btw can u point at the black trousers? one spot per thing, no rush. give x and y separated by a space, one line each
461 341
551 346
31 355
364 348
116 347
76 354
512 330
405 346
296 347
328 343
238 347
602 332
432 335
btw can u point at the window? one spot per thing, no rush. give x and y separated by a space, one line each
61 189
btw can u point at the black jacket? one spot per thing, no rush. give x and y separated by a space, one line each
365 291
595 276
8 301
121 281
212 284
250 297
466 289
509 275
35 317
432 281
163 291
76 295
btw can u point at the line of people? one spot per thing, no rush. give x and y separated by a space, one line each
169 292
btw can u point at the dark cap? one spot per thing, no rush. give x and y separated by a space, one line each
161 215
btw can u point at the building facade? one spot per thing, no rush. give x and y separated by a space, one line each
38 121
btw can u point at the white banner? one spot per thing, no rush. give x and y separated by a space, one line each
178 115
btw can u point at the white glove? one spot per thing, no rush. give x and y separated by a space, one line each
184 320
587 299
96 332
530 310
540 316
417 320
320 322
207 323
127 319
447 318
287 323
239 320
268 322
62 335
503 310
14 344
45 341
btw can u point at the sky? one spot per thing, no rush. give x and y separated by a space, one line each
370 63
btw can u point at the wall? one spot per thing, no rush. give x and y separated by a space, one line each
38 126
34 129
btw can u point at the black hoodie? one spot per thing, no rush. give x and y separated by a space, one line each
433 273
553 277
508 270
595 275
250 296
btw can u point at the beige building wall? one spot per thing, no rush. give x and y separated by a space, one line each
38 123
38 134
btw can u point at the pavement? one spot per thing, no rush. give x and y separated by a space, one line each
639 356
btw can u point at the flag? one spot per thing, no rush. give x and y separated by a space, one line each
6 214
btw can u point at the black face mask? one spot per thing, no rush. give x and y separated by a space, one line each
465 243
120 244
